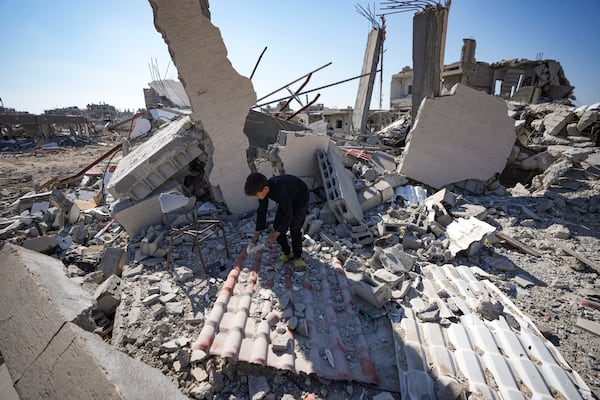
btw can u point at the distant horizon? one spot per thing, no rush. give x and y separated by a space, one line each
64 53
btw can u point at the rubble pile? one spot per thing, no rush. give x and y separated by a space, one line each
533 232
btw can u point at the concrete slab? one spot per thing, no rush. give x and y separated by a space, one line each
36 299
464 136
297 154
136 215
79 365
47 354
220 97
153 162
7 391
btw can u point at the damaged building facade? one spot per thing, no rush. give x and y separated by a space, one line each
529 81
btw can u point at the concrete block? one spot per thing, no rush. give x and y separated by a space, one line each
386 190
456 151
385 276
369 198
36 299
338 185
156 160
361 234
42 244
112 261
587 119
395 260
385 227
375 293
556 122
137 215
108 295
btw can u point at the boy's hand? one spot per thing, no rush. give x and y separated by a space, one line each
271 239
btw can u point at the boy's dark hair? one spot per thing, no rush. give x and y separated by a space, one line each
255 182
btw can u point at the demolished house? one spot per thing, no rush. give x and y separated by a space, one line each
135 281
528 81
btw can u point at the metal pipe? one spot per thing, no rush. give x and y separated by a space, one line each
288 84
257 62
319 88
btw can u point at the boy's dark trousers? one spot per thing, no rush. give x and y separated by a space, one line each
298 217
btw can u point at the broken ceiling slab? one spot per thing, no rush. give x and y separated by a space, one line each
263 129
219 95
156 160
467 135
137 215
506 357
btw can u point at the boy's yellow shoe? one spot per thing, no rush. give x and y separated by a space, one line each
284 258
299 263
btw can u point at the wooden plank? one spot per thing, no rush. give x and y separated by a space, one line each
518 244
590 326
575 254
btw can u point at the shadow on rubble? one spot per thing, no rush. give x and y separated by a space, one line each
314 325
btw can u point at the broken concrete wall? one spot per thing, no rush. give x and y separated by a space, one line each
220 97
429 42
47 352
294 153
467 135
365 86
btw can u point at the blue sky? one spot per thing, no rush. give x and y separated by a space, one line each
71 53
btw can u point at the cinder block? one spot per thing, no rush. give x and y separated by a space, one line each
338 185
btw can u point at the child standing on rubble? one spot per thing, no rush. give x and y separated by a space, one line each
291 195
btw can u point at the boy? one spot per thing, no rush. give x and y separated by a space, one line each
291 195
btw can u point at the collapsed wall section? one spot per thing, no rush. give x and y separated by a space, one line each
220 97
467 135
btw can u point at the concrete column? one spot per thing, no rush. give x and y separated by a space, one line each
365 86
220 97
429 42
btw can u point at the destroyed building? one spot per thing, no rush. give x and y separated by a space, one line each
529 81
431 272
